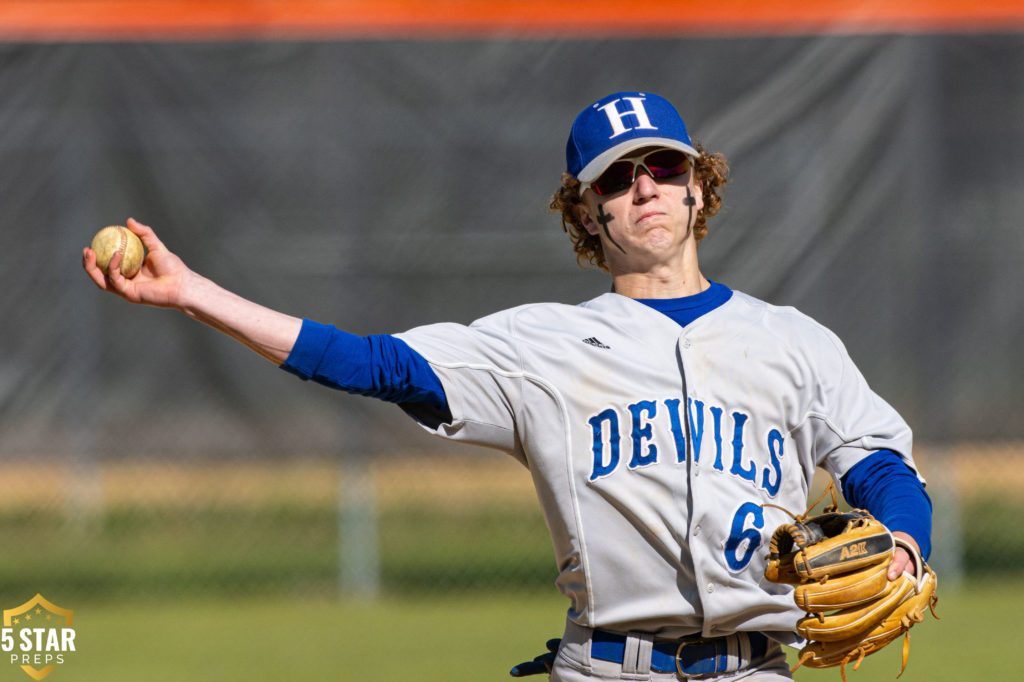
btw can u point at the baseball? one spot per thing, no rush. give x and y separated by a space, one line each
118 239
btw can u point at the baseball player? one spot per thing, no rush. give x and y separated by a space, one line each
657 420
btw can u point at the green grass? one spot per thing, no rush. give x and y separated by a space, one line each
443 639
450 639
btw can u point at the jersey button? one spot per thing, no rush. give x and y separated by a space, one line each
696 531
686 343
711 587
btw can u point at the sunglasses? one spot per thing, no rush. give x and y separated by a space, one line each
661 164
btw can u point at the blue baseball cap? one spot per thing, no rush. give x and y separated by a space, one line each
618 124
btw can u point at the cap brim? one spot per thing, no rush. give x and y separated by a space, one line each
593 170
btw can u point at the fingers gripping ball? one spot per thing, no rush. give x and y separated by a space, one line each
118 239
838 563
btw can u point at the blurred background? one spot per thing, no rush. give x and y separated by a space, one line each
384 165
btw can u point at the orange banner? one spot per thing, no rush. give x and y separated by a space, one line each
73 20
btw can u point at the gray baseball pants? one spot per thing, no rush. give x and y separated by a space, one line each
574 663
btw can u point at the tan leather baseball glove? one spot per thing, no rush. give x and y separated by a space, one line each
839 562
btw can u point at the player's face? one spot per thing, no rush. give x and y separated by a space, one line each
649 222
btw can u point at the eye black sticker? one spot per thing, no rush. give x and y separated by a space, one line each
690 201
605 218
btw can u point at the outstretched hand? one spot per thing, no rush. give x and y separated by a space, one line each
159 281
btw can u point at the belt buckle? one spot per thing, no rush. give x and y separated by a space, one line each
679 669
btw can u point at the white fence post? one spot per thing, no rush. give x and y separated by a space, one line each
358 550
947 541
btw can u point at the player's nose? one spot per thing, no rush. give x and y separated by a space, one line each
644 187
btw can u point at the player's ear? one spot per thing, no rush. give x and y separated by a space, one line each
698 194
586 217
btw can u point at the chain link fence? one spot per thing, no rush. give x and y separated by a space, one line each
365 527
348 527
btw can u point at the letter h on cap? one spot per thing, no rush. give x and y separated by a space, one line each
615 116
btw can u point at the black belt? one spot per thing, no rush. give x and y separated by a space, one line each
692 656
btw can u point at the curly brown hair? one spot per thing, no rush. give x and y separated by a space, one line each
712 173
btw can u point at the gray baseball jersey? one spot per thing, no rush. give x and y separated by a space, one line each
653 446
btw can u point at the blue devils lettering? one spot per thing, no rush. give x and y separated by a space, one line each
696 430
740 535
650 429
716 412
642 433
739 419
677 428
600 468
775 441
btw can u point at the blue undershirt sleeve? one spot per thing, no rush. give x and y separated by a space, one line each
884 485
379 366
